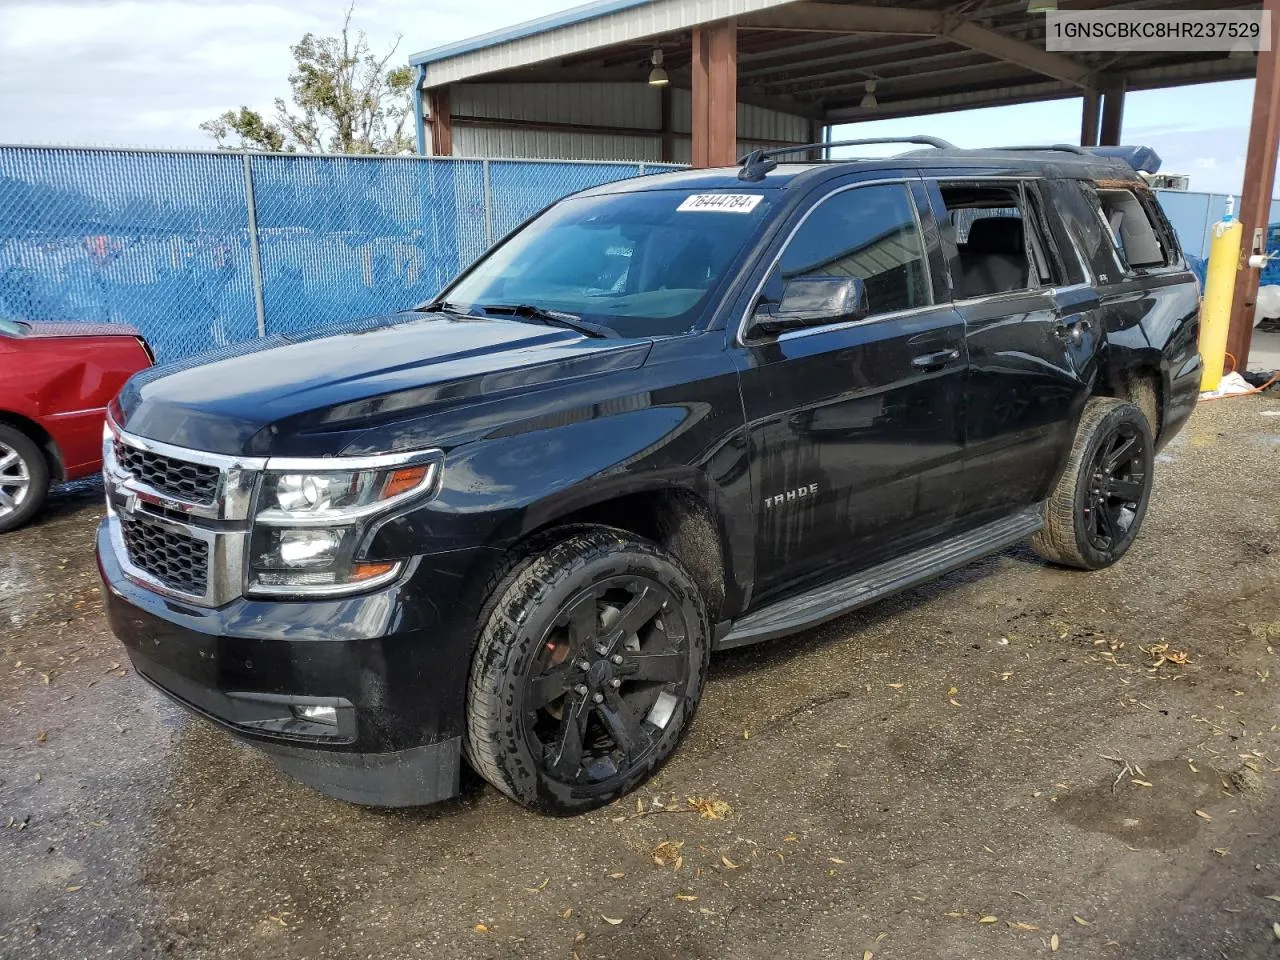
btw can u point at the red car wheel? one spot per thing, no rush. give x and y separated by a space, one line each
24 478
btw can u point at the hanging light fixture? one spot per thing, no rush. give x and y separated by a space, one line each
869 101
1042 6
657 76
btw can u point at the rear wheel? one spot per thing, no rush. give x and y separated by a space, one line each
24 478
589 669
1097 508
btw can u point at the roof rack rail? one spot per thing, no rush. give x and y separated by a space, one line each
1141 159
1064 147
759 162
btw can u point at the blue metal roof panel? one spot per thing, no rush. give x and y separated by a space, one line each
574 15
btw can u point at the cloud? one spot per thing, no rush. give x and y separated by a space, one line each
1196 153
147 72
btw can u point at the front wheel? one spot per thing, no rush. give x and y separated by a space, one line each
24 478
588 671
1097 508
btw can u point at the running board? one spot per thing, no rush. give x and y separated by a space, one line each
834 599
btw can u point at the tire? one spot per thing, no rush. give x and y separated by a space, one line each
590 666
1094 514
24 478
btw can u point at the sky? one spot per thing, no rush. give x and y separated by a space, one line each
147 72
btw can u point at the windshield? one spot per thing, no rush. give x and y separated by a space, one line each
12 328
642 264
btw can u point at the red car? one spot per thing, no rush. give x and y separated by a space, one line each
56 380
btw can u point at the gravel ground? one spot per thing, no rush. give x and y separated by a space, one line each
996 765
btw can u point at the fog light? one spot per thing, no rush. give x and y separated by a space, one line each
326 715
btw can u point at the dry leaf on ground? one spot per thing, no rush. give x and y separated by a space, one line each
668 851
710 808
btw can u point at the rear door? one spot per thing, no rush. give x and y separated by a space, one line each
1032 337
855 428
1149 301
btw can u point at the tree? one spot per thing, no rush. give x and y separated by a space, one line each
345 100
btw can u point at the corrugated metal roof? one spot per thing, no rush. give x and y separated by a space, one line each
581 14
591 27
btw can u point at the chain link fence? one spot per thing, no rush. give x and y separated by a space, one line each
202 250
205 249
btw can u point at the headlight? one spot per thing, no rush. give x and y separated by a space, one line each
338 495
311 521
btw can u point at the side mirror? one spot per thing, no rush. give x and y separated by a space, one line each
813 302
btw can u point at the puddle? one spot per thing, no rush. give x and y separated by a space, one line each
1158 817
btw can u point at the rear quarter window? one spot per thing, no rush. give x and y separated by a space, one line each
1136 236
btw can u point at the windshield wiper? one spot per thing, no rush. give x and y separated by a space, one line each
552 318
444 306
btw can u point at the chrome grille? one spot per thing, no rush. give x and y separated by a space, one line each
178 561
192 482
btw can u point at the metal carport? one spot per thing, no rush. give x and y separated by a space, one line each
765 73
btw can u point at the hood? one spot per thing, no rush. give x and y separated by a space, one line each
309 395
46 329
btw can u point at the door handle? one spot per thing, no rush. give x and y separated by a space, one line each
935 361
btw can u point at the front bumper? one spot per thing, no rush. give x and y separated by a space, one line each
390 666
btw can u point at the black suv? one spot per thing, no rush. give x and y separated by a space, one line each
666 416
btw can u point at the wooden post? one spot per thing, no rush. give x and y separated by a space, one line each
715 94
441 122
1112 112
1089 117
1259 181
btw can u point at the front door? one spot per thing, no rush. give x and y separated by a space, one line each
855 428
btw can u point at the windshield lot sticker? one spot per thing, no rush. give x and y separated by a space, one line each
721 202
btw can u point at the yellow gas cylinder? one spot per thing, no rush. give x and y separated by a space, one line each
1215 311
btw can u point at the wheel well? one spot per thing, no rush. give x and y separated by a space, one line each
676 520
57 470
1141 386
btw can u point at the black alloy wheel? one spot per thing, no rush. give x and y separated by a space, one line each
1096 509
606 680
1117 488
590 665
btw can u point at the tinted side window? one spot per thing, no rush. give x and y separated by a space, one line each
867 232
1082 213
1001 246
